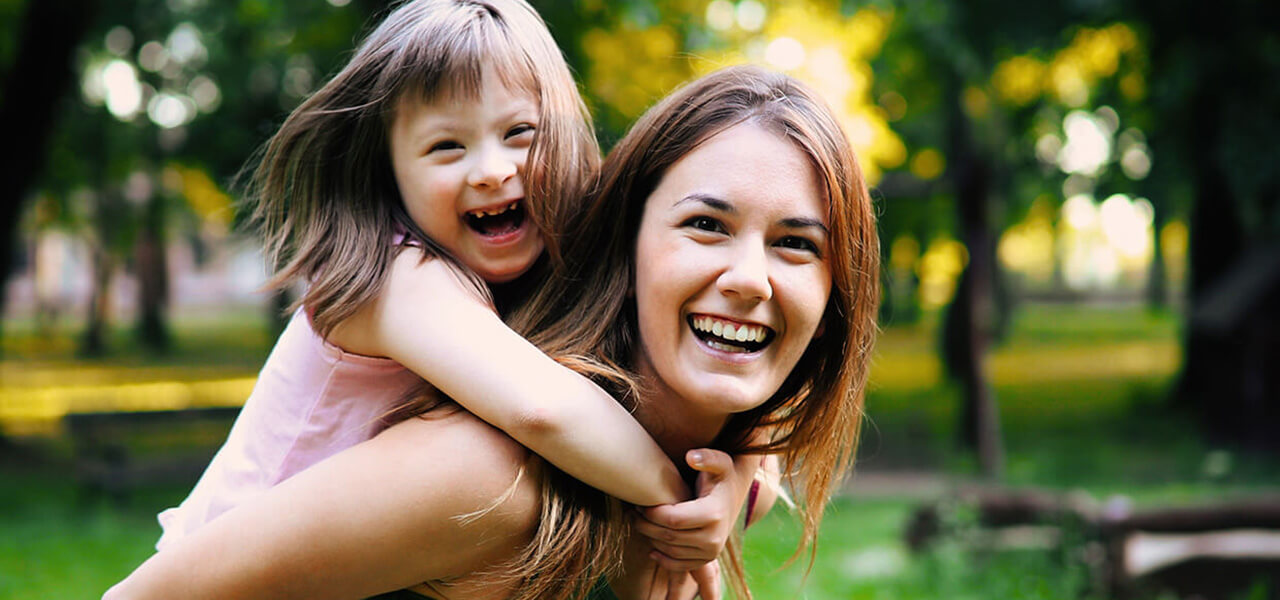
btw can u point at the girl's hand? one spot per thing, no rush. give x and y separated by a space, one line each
690 534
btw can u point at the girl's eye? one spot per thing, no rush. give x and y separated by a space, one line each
795 242
520 130
704 224
444 146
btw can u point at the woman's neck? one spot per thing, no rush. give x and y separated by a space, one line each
674 422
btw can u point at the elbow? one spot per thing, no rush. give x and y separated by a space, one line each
116 592
540 422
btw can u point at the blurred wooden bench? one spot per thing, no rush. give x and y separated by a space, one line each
1215 552
115 453
1218 551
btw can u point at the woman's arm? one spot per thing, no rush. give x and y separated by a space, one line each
430 321
381 516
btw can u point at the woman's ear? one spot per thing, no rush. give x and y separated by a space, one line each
822 328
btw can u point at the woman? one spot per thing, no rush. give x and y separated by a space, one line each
724 283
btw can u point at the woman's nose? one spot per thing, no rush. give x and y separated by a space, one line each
492 168
747 273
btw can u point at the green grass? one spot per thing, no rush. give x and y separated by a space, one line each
1081 393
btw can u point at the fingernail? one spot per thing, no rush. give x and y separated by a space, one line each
695 457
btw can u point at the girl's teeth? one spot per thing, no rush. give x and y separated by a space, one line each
729 332
717 328
742 334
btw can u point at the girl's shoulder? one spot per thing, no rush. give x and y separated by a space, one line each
417 282
421 278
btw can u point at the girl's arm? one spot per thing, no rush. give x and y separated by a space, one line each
434 324
378 517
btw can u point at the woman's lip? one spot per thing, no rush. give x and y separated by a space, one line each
729 320
737 358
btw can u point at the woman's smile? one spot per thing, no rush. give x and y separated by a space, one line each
735 278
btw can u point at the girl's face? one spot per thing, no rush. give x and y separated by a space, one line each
458 163
732 271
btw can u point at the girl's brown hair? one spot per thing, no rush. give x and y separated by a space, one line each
323 190
585 317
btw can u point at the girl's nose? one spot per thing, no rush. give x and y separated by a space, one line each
747 274
492 168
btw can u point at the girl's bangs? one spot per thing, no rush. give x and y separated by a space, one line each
449 62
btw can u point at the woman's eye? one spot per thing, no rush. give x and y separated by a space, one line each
444 146
793 242
704 224
520 130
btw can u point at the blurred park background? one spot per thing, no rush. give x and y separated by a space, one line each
1080 220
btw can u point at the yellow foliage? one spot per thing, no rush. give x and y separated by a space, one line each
904 253
1133 86
1028 247
976 103
940 268
1094 54
207 200
1019 80
928 164
631 68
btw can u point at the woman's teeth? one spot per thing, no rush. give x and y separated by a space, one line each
730 337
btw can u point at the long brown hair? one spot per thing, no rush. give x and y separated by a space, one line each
323 191
584 316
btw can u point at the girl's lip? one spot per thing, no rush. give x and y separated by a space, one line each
504 239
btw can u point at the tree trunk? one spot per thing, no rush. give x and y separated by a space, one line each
968 323
1157 279
153 277
39 77
94 342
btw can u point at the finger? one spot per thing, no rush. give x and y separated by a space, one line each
711 461
681 587
702 553
677 537
672 564
707 578
658 583
694 514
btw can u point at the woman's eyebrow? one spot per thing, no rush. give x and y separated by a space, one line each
711 202
803 223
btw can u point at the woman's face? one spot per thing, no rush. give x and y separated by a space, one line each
732 270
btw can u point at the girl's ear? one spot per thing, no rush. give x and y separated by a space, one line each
822 328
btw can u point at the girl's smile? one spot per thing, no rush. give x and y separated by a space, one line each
458 163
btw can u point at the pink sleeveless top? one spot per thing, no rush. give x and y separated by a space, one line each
311 400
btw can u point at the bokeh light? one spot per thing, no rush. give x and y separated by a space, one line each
123 91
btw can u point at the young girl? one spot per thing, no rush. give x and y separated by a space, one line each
422 171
